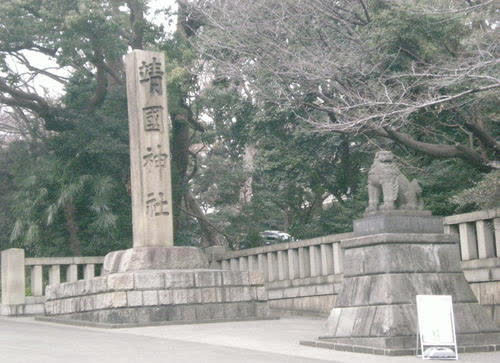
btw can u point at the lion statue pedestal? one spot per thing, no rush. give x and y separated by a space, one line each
399 251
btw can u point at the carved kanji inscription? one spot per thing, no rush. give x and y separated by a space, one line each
152 73
153 118
155 158
156 205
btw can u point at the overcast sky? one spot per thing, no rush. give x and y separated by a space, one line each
46 85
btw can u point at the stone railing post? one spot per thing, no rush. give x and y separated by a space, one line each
54 275
315 260
272 266
253 264
282 265
468 242
243 263
485 239
293 263
72 273
89 271
36 280
338 262
304 266
496 228
235 265
326 259
262 263
13 279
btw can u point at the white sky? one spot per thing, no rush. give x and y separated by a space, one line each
48 87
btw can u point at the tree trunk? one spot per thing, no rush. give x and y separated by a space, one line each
72 228
209 234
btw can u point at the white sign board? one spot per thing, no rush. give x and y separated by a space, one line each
436 327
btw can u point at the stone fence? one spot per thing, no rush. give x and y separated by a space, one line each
301 277
480 253
38 272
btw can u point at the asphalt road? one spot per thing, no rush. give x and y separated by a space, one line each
24 340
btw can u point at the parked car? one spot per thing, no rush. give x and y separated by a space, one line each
273 237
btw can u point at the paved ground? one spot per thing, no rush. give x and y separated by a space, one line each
25 340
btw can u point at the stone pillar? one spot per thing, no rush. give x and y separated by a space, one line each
243 263
253 264
225 265
326 259
89 271
282 265
293 263
235 266
468 243
152 217
304 265
36 280
262 263
272 266
315 260
72 273
54 275
338 261
496 227
485 238
13 280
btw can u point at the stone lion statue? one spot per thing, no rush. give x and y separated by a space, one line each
384 178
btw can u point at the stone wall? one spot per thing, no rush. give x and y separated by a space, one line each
310 295
160 295
483 276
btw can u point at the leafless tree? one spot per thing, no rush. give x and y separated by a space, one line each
332 58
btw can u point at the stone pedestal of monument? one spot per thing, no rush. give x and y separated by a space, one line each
160 296
155 281
147 285
375 311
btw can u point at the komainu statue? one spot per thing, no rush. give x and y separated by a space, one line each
385 178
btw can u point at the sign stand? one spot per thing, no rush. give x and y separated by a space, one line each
436 338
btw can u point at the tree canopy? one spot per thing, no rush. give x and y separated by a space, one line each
424 74
277 108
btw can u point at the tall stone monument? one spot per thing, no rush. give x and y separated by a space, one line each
155 281
149 150
152 218
400 251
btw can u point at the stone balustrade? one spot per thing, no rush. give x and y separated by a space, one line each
300 276
319 256
39 272
479 234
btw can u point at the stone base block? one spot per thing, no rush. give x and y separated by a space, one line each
398 222
466 344
375 310
148 296
154 258
386 326
22 309
185 313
